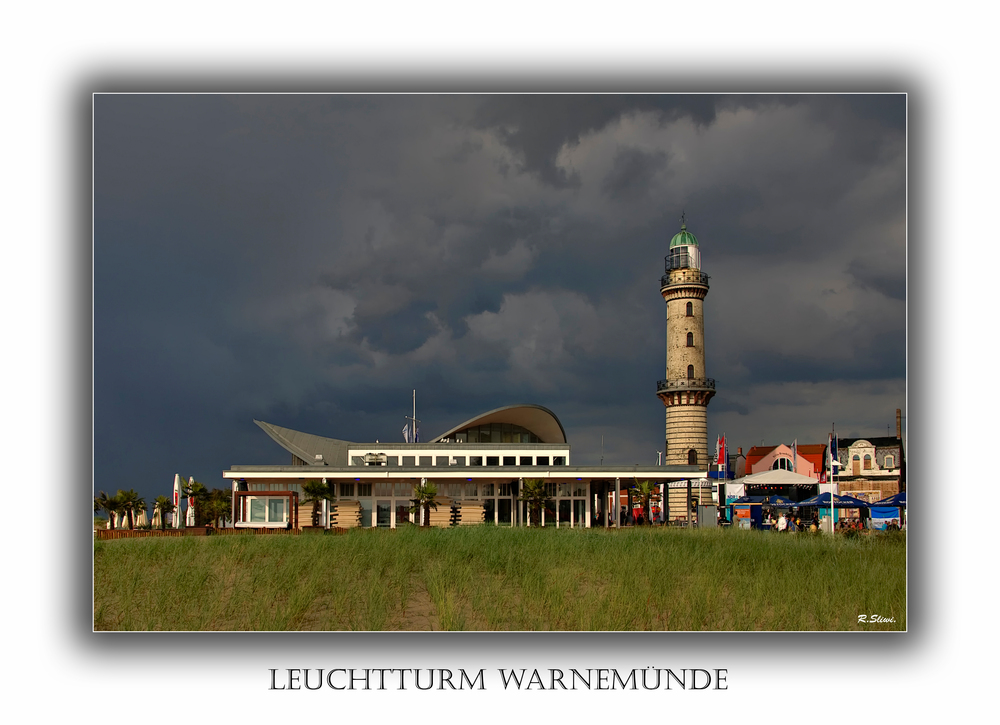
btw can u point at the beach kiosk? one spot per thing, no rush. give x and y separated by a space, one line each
747 515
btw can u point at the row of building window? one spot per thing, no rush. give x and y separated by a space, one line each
889 462
785 464
441 461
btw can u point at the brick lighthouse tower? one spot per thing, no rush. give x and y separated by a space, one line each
686 390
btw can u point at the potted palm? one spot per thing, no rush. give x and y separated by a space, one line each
645 492
535 495
315 493
423 501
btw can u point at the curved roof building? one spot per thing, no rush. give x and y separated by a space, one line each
478 467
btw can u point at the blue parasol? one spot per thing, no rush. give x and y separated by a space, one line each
896 500
841 502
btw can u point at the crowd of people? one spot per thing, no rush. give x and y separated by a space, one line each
786 522
790 522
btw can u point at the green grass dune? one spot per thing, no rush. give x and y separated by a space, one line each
489 578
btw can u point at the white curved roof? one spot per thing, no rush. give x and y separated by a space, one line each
540 421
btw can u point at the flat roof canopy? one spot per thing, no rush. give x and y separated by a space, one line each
456 473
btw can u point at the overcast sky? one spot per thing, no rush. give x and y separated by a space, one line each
310 260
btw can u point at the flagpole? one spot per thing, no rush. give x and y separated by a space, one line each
725 473
410 430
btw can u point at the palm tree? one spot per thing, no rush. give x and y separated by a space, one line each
131 502
165 506
645 492
219 506
111 504
315 493
197 495
423 500
140 505
536 496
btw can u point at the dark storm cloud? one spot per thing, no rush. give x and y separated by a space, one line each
312 260
889 279
632 173
537 127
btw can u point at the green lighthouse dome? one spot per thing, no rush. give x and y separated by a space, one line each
684 238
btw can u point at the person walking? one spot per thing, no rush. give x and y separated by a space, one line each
782 523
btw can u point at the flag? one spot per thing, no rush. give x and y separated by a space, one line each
406 433
190 509
177 501
720 451
833 452
795 453
416 433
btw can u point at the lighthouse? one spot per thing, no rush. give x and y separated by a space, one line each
686 390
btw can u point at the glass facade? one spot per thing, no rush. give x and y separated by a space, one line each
387 504
496 433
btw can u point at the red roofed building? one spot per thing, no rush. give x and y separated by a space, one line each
808 461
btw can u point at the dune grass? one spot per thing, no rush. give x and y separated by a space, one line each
489 578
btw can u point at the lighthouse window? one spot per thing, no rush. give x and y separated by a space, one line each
690 339
690 372
678 258
692 457
690 310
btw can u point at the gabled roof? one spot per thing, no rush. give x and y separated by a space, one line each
760 451
815 453
307 446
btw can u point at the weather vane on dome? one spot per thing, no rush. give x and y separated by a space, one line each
683 218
